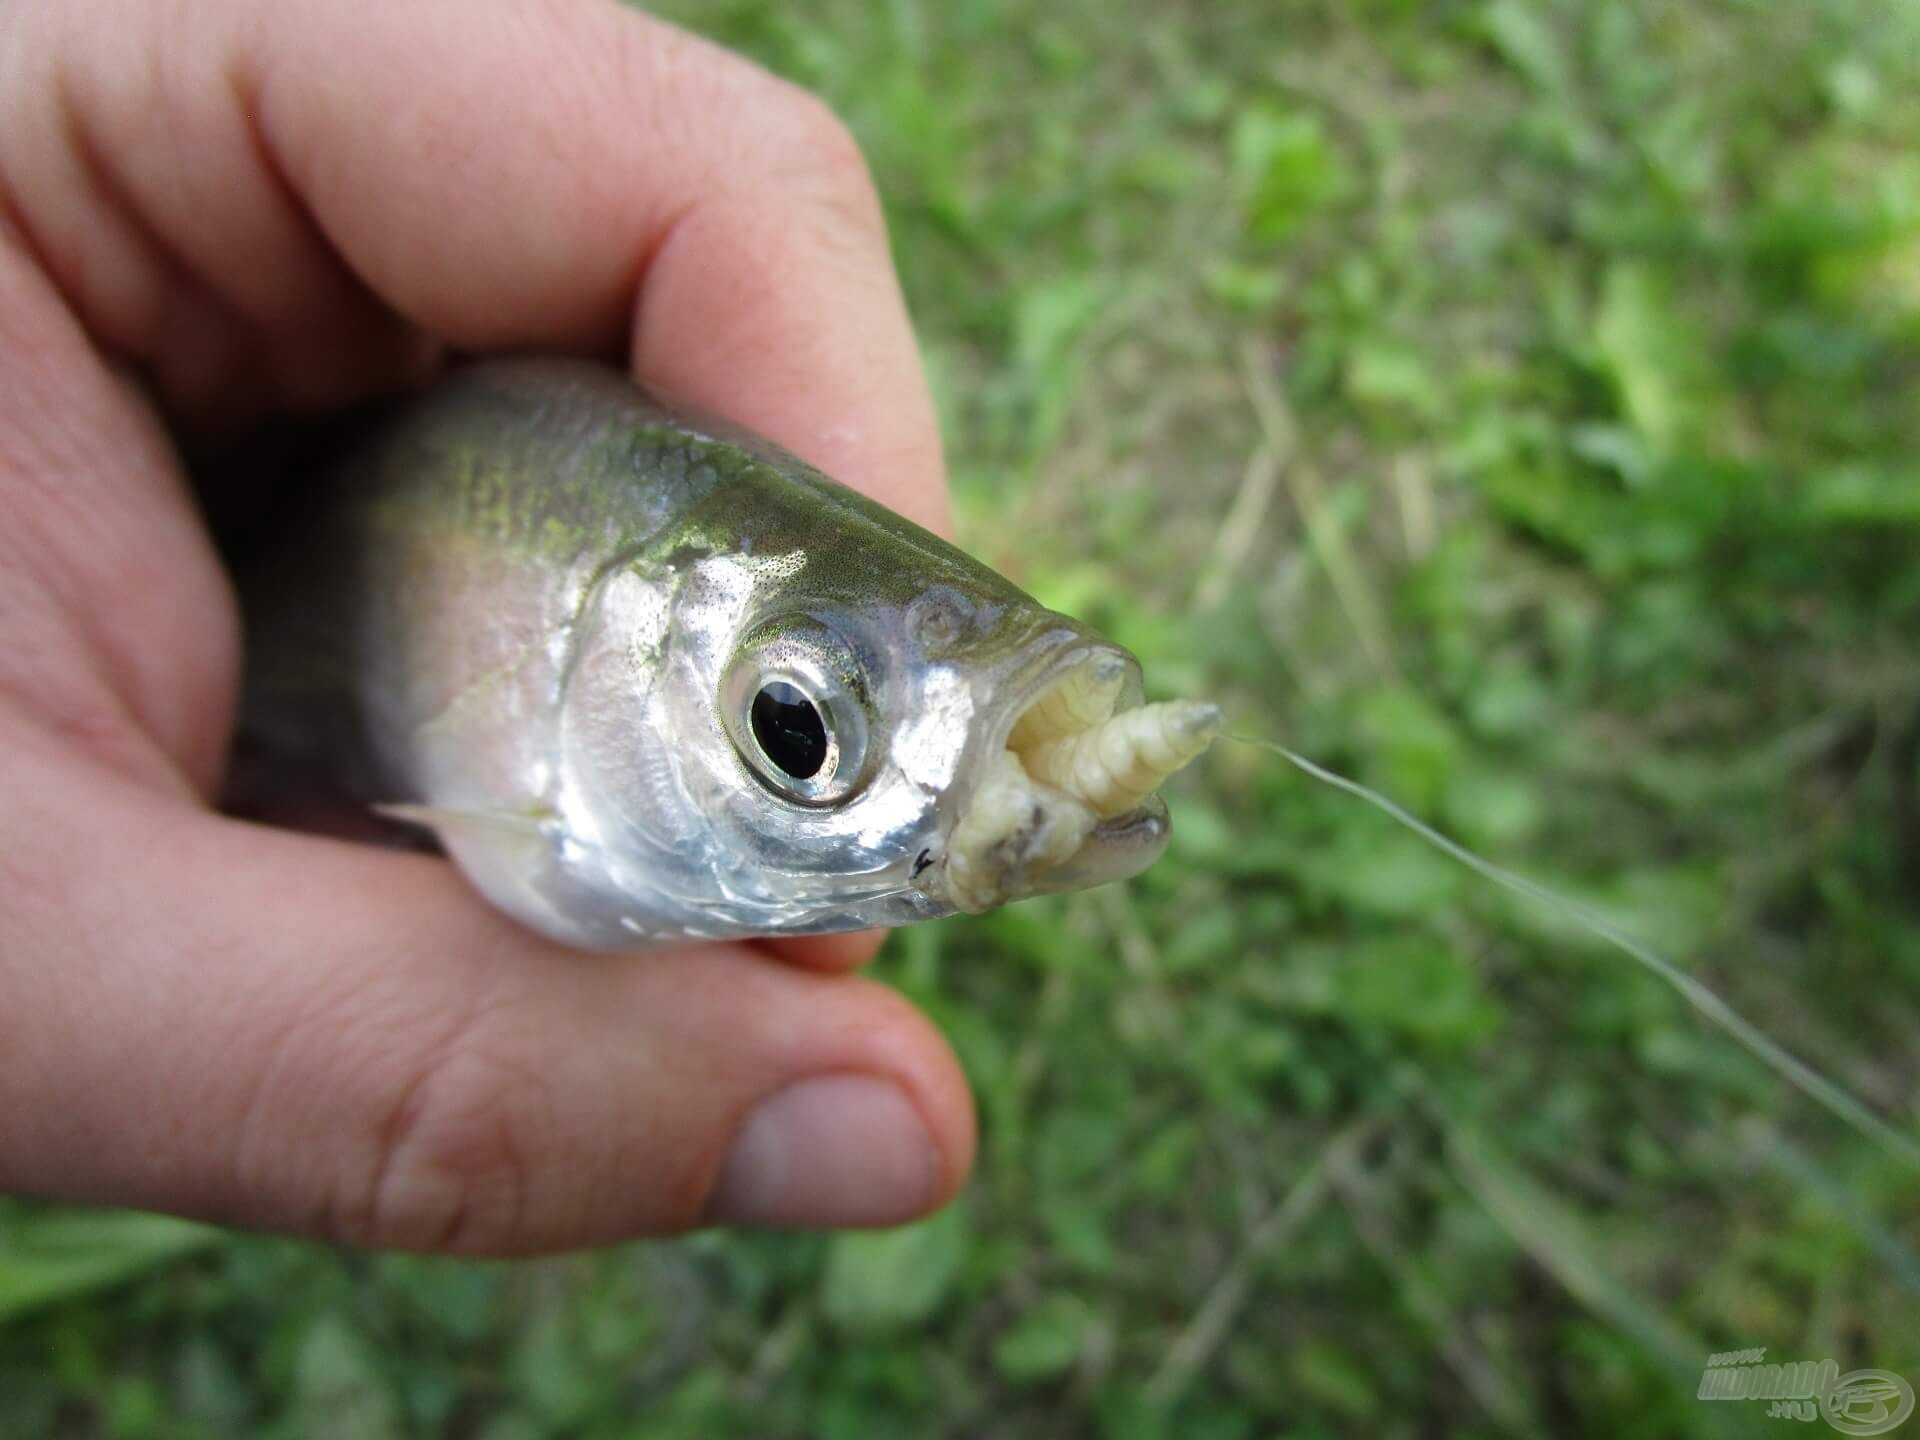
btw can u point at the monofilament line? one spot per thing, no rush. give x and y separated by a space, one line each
1810 1081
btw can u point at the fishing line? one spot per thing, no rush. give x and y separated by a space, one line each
1796 1072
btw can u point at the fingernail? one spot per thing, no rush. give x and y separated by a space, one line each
834 1150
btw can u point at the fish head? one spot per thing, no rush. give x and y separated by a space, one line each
945 745
851 723
883 741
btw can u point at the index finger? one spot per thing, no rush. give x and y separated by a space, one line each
521 174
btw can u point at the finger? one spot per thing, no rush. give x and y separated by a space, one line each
559 176
829 952
316 1037
116 625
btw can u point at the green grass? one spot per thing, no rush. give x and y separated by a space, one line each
1511 405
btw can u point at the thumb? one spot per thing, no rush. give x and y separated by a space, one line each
306 1035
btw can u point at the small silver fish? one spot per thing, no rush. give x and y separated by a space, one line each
648 677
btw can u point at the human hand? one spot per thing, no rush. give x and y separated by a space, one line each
222 211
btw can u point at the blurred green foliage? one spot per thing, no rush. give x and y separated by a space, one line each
1510 404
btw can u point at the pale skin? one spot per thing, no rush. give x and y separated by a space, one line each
213 213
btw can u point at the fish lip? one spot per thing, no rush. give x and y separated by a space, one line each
1117 848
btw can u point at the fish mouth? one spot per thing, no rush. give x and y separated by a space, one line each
1065 796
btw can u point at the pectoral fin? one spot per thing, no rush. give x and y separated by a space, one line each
450 823
497 848
506 856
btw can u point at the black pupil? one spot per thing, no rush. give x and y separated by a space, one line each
789 730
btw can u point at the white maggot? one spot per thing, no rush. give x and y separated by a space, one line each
1082 700
1116 764
1014 829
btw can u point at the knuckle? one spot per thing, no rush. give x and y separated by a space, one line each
819 157
454 1158
819 132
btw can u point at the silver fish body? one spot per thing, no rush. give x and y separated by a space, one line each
649 677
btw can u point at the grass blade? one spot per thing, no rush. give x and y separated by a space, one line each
55 1255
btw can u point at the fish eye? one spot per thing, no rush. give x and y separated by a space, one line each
789 728
793 703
